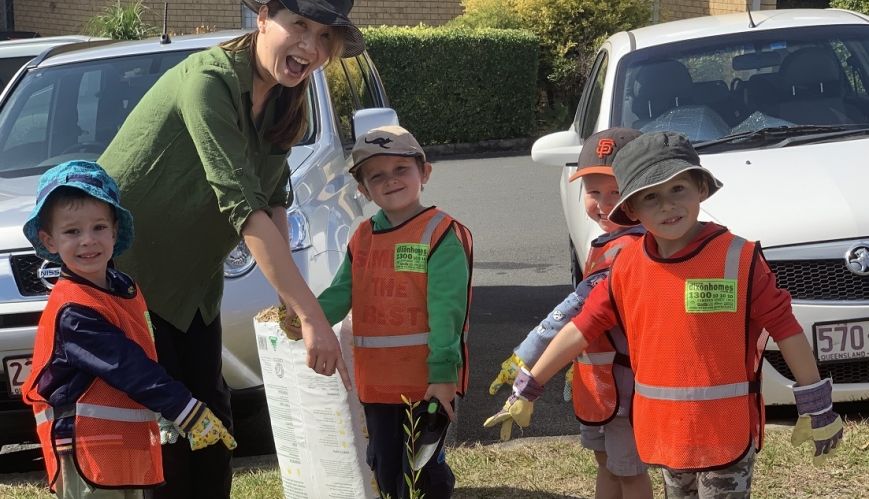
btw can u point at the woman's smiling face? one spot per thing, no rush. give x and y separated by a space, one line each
290 47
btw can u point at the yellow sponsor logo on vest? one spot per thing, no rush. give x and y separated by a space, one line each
411 257
710 295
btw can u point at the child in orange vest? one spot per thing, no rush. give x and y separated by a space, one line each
406 278
603 381
696 303
96 387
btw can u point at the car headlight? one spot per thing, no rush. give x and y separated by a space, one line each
300 234
240 261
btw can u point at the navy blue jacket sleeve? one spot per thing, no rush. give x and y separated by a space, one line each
94 346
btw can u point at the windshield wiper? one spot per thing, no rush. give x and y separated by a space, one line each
770 134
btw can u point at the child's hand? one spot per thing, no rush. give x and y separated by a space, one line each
519 406
445 393
817 422
509 368
202 428
292 326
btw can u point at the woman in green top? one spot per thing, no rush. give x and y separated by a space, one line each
201 163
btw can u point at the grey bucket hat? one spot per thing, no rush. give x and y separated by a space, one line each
93 180
652 159
329 12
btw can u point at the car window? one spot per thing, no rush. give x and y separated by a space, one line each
9 66
353 86
589 109
73 111
712 87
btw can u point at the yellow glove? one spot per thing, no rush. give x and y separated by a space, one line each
509 369
519 406
202 428
568 384
825 437
516 410
817 421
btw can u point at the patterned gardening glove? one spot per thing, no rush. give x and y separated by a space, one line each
202 428
519 406
509 368
169 433
817 421
568 384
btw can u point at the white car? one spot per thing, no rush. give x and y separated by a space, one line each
777 105
68 103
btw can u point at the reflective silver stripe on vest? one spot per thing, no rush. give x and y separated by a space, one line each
597 358
692 393
44 416
47 415
115 413
401 340
731 263
431 226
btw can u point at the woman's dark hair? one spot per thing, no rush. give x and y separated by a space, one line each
291 106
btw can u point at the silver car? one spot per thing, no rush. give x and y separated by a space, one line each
69 103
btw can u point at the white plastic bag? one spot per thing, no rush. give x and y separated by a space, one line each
318 427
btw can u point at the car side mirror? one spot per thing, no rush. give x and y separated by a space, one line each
365 120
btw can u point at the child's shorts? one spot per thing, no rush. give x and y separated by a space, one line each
732 482
616 438
70 485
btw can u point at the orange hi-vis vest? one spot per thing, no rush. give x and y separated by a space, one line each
603 371
697 404
116 442
390 306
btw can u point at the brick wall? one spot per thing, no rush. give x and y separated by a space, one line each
55 17
670 10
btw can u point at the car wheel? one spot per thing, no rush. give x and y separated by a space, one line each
575 270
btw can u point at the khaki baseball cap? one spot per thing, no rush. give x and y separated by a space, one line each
391 140
599 151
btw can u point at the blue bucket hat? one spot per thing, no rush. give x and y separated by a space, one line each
94 181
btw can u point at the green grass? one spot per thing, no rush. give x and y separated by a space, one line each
548 468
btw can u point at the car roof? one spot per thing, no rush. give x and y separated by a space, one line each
727 24
34 46
111 49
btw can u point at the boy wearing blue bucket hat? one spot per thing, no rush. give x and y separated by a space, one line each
96 388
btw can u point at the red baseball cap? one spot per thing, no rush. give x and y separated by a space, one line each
600 149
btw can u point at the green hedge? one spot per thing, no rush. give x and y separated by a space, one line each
458 85
855 5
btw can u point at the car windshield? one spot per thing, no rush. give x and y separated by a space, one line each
714 87
73 111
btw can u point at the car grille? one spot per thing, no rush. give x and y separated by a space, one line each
820 280
24 268
846 372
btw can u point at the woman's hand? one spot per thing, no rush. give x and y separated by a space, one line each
445 393
268 245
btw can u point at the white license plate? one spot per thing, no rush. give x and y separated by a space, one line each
841 341
17 370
